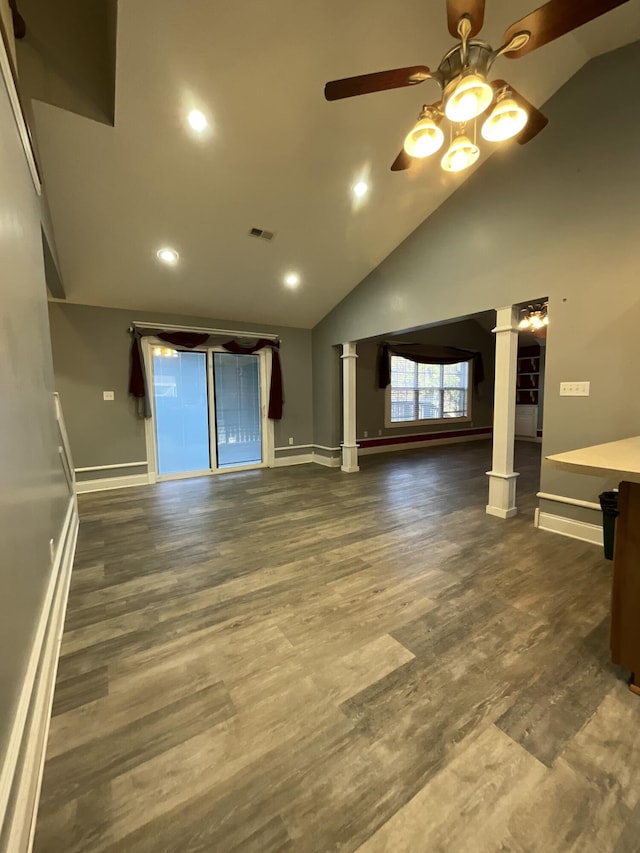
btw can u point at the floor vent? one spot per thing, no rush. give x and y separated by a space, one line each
260 232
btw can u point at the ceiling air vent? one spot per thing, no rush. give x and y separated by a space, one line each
260 232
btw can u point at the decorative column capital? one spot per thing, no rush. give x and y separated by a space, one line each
506 319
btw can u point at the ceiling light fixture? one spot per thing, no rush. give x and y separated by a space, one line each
292 279
360 189
197 120
168 256
506 120
461 154
425 138
467 97
534 317
463 75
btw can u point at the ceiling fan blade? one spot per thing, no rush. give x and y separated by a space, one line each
403 161
473 9
536 121
378 82
555 19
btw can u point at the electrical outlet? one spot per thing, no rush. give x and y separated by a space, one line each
108 395
575 389
290 439
379 432
365 434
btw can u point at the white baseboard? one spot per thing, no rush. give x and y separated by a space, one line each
294 459
569 527
120 467
21 771
105 483
415 445
327 461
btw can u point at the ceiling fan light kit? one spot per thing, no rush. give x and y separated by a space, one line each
462 75
534 317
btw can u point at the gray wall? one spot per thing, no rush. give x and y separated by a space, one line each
33 491
371 399
91 354
559 217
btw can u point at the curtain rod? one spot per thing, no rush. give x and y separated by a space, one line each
231 332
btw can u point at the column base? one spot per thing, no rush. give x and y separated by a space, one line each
350 459
501 513
502 494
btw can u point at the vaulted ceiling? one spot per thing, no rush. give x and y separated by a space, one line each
275 156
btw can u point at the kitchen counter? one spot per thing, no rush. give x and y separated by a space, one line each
619 459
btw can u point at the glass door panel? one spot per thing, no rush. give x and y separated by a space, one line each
182 410
237 406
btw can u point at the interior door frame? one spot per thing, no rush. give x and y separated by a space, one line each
268 441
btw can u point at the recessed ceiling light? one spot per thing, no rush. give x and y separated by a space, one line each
292 279
360 189
197 120
168 256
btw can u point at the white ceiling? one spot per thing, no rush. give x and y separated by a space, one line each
278 155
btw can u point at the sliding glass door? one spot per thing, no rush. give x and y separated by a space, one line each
208 410
182 410
238 409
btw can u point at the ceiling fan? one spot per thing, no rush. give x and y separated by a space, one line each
462 74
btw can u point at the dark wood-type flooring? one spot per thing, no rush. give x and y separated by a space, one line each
301 659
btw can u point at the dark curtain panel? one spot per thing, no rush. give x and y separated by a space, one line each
187 340
137 377
190 340
276 395
426 354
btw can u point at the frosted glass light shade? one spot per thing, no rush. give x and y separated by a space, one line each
462 153
424 139
471 96
506 120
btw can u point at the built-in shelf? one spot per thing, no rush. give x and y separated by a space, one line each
528 376
527 390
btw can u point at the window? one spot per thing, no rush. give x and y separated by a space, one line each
423 393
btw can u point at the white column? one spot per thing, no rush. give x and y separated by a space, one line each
349 446
502 477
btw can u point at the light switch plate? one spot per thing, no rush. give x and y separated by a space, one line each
574 389
108 395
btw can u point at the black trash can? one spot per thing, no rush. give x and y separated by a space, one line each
609 504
